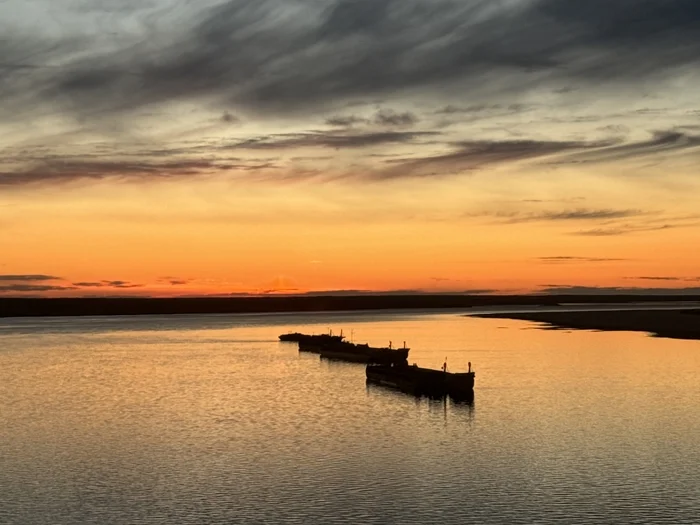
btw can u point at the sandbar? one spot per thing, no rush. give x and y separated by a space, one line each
675 324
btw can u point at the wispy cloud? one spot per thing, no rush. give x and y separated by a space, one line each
174 281
472 155
565 289
387 117
569 215
270 55
655 278
662 142
29 288
367 69
623 229
480 109
60 170
29 278
345 120
107 284
563 259
334 140
340 292
664 278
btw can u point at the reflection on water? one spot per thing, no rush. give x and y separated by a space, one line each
137 420
466 398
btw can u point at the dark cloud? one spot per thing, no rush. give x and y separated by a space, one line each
278 291
387 117
29 278
601 222
481 111
339 140
228 118
291 58
662 142
472 155
628 228
587 214
655 278
28 288
55 170
480 108
664 278
345 121
107 284
383 117
174 281
269 55
593 290
475 291
578 214
122 284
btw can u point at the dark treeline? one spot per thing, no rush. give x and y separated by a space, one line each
26 307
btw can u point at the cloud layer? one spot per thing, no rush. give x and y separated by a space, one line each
283 56
381 74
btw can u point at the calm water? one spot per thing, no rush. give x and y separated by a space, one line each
209 419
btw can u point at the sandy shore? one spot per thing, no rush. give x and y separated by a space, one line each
676 324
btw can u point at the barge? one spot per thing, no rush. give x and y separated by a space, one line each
418 381
363 353
312 343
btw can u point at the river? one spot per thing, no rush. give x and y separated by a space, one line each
210 419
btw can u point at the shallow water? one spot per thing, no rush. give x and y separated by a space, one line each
209 419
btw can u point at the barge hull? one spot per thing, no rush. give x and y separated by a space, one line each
422 381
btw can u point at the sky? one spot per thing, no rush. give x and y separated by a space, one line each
178 148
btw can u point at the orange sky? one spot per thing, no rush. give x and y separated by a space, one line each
291 149
161 240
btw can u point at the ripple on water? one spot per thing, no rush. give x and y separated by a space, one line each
217 422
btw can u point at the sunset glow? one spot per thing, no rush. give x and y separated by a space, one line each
269 146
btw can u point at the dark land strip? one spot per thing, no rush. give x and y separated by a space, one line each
40 307
675 324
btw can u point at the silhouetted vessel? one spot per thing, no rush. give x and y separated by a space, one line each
312 343
363 353
335 347
418 381
293 337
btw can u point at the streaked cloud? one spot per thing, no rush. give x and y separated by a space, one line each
29 278
388 117
662 142
270 55
472 155
565 289
664 278
566 215
33 288
107 284
60 170
345 120
334 140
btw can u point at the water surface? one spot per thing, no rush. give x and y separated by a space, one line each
209 419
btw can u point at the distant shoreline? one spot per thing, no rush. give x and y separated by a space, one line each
35 307
673 324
